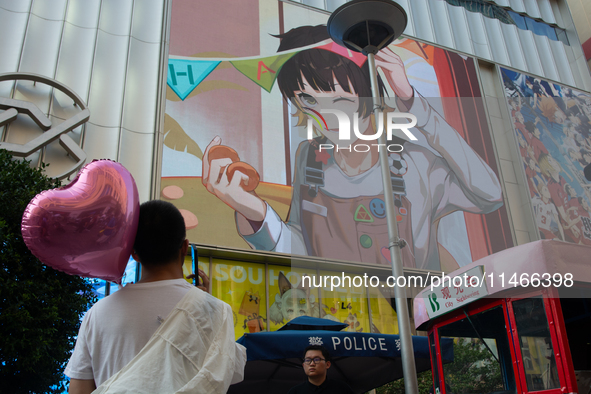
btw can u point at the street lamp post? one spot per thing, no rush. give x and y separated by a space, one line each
367 26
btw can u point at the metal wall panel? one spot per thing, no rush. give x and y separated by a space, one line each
528 45
556 12
496 40
108 79
517 5
147 20
460 28
141 87
561 59
410 27
136 154
441 23
76 58
101 142
422 20
531 7
546 12
84 13
16 6
13 25
478 35
41 46
116 16
546 57
513 44
49 9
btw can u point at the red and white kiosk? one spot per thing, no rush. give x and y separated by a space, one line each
520 322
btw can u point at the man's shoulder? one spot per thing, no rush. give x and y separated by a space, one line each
141 293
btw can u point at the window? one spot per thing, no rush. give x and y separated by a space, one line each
481 355
536 344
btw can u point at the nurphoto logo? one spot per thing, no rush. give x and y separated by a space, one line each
344 129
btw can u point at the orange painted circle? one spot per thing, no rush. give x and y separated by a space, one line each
172 192
190 219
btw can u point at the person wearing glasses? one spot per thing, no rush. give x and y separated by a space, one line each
316 364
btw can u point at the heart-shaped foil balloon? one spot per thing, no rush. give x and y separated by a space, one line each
88 227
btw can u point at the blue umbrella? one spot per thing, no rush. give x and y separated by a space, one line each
362 360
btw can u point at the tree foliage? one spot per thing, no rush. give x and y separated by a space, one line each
424 380
40 308
473 370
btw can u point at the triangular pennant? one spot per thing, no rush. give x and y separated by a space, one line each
363 215
262 71
184 75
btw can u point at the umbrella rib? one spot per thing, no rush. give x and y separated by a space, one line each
274 372
281 363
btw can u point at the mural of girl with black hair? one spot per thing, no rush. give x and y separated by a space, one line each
337 208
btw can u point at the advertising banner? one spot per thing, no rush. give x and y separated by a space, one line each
249 88
553 130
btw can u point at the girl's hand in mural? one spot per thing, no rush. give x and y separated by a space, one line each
393 67
231 192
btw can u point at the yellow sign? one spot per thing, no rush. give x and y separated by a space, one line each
242 285
346 303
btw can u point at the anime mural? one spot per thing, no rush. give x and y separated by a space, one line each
238 160
553 129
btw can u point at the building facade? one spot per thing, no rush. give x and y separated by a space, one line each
499 88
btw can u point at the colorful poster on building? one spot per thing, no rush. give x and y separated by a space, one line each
553 130
347 303
289 297
237 158
242 285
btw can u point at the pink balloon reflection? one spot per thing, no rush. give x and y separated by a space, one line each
88 227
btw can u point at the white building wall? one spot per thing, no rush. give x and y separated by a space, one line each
110 53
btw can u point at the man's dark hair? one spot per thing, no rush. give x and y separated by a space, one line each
321 67
160 234
324 351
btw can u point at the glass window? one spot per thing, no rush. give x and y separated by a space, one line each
518 19
561 35
536 344
242 285
541 28
481 361
346 303
382 308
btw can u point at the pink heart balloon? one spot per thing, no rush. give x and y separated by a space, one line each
88 227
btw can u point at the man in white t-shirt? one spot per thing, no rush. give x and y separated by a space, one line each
119 326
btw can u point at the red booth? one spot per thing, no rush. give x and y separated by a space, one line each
519 320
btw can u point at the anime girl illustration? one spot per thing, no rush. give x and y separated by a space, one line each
337 208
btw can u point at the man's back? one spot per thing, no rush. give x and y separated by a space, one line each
119 326
193 351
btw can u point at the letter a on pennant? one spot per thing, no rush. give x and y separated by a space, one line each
262 71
